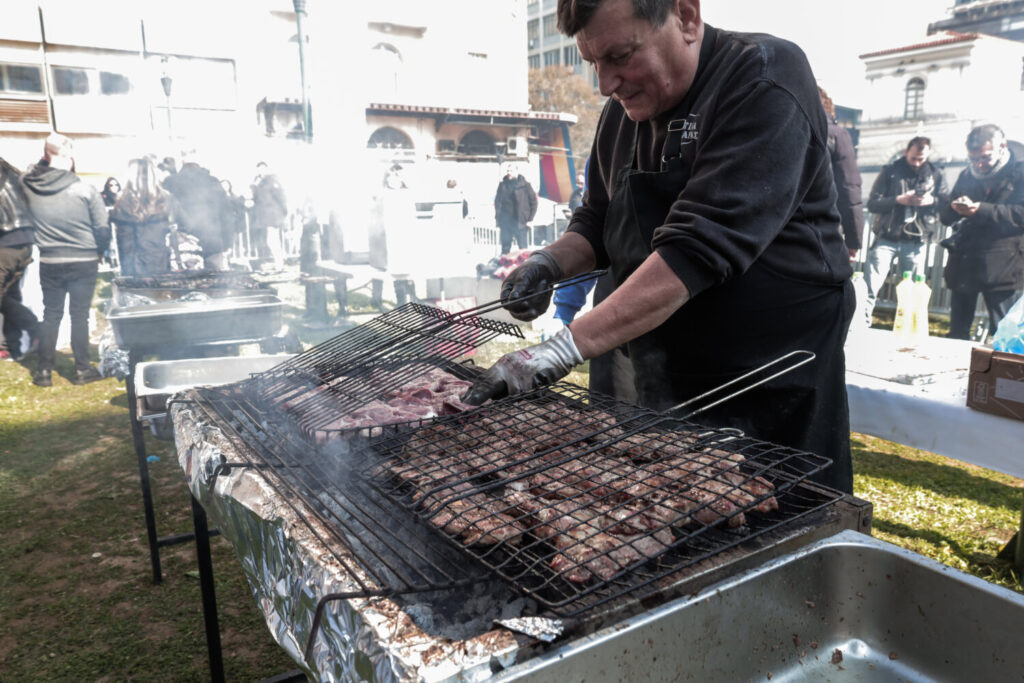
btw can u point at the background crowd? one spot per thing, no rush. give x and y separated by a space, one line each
161 219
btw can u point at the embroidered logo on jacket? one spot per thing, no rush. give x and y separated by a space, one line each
690 132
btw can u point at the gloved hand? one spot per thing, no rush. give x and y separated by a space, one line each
537 273
527 369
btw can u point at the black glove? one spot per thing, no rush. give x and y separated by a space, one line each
527 369
537 274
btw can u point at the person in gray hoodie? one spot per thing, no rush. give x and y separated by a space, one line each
72 231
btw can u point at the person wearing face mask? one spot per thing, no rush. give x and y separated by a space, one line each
986 253
712 201
905 199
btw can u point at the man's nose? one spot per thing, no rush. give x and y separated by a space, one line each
608 80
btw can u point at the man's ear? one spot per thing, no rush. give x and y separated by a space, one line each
688 12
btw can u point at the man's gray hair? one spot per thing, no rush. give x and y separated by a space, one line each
988 132
574 15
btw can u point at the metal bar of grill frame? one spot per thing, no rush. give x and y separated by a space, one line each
643 421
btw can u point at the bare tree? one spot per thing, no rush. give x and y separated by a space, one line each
557 88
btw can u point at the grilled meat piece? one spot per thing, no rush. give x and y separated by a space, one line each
583 538
478 518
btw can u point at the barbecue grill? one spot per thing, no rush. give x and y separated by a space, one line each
156 316
171 286
559 504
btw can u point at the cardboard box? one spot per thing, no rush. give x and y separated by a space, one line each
996 383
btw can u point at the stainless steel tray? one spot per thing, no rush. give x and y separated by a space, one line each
848 607
157 381
194 323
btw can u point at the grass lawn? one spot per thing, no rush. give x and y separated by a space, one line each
76 597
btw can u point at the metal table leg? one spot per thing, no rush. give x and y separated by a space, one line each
139 440
208 591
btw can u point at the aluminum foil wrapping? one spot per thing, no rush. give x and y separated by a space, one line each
289 570
113 359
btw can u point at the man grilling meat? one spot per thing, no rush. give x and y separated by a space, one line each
712 202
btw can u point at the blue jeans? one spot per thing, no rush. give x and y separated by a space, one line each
908 255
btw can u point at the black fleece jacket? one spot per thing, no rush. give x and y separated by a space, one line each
760 184
15 223
71 220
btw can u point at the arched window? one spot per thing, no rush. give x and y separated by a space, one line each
913 107
477 142
389 138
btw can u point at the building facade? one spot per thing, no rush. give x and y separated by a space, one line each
120 85
1002 18
941 87
546 46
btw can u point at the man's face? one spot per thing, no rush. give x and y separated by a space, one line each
987 156
647 69
916 156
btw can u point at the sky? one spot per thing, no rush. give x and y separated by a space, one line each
833 33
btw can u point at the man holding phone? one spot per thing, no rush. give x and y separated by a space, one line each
986 253
905 200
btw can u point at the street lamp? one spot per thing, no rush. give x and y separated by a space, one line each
165 82
300 10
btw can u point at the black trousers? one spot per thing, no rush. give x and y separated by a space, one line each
73 282
14 315
508 233
962 303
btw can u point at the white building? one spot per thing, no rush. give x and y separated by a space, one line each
546 46
941 88
438 86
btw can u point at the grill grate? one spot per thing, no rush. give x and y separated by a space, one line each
578 500
573 499
378 358
372 361
385 554
190 281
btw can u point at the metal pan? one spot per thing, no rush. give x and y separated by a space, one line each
195 323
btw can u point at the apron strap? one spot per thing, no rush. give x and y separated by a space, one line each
672 149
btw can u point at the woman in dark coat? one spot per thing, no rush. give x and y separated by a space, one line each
142 217
111 190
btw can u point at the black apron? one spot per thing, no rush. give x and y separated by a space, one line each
735 327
